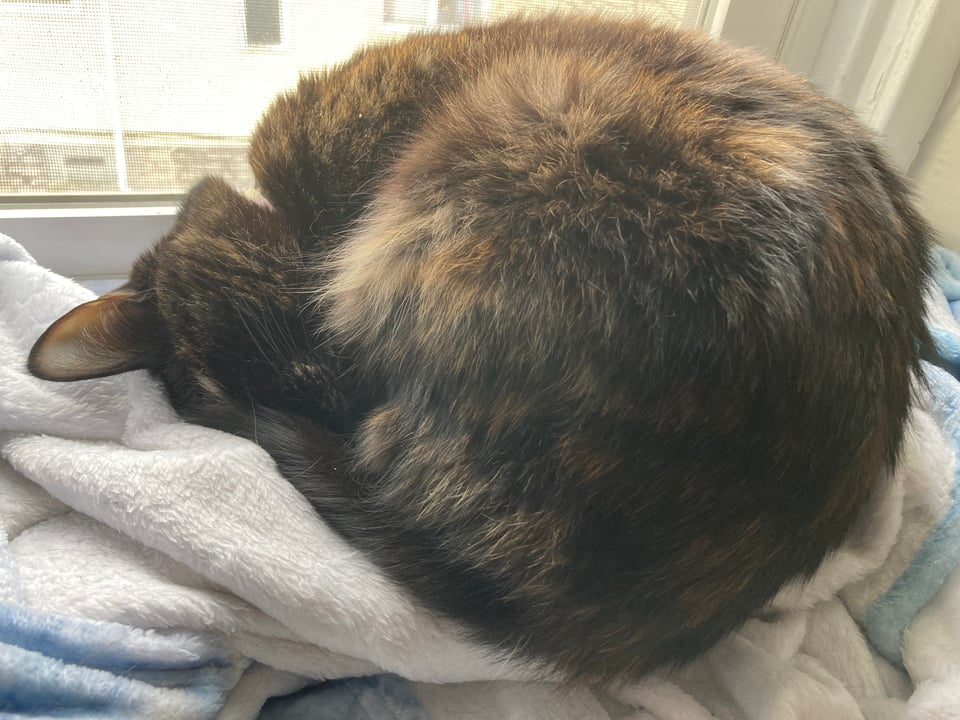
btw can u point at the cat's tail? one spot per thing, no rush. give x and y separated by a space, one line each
314 459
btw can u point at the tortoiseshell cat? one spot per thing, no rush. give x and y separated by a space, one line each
591 334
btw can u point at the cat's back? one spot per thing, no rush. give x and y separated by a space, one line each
576 175
644 310
319 149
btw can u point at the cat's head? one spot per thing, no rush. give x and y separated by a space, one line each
214 309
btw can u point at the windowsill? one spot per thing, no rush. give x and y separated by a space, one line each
101 286
83 210
87 242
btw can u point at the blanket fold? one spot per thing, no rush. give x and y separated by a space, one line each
152 568
51 662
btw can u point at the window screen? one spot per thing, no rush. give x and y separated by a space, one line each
147 96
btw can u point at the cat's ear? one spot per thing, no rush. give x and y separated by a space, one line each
112 334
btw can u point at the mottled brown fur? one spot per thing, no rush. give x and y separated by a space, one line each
592 335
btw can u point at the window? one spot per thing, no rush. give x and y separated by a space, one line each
112 108
427 13
143 97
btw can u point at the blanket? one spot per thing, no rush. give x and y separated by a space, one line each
152 568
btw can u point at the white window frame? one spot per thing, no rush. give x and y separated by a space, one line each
892 60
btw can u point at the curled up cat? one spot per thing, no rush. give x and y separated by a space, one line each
590 334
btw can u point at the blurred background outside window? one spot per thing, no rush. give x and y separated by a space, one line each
147 96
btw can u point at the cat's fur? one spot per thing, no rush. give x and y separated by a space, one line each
590 334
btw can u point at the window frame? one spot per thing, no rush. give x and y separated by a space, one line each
859 52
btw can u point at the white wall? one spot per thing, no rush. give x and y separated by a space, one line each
936 169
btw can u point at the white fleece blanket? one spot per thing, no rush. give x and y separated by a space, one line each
116 514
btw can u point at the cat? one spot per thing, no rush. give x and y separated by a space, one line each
591 334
